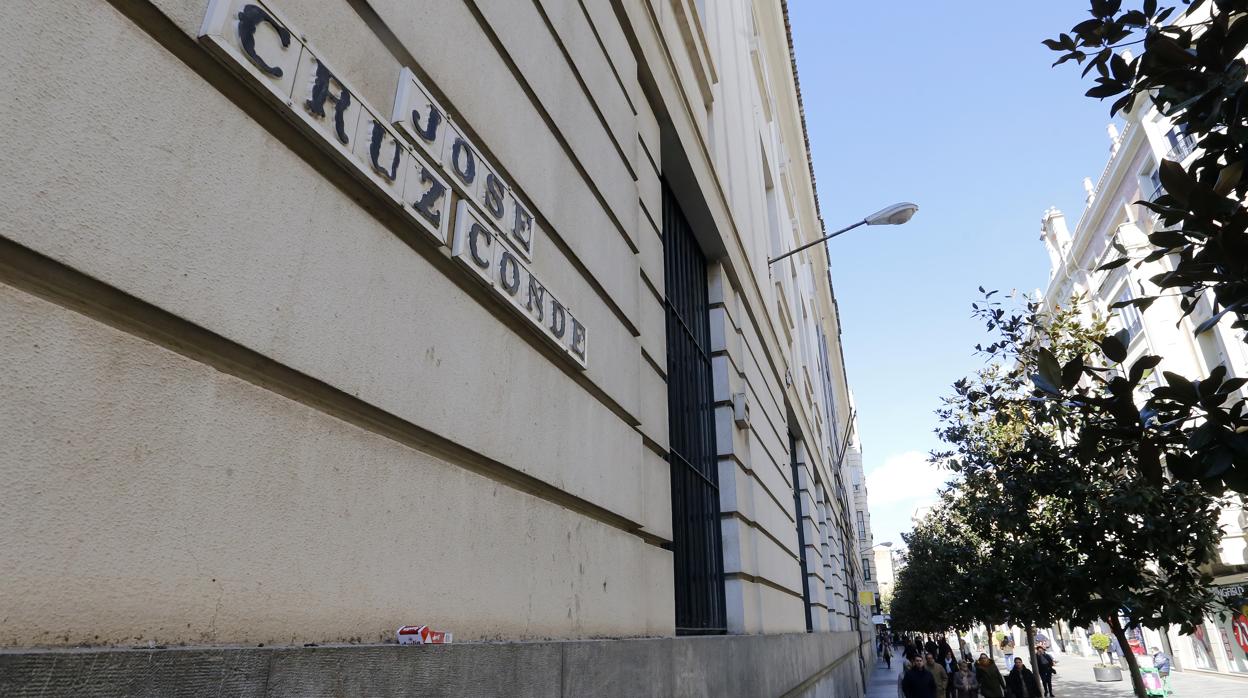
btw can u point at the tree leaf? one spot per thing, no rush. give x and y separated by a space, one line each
1184 390
1144 363
1175 180
1210 322
1113 264
1228 177
1071 372
1106 89
1115 347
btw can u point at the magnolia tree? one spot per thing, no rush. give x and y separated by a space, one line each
1077 510
947 581
1189 63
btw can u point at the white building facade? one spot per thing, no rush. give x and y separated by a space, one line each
322 318
862 522
1136 147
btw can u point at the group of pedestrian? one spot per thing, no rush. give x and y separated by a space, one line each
932 671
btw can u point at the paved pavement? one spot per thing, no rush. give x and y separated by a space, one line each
1074 680
882 682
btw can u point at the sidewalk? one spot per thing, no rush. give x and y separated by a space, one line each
1074 680
882 682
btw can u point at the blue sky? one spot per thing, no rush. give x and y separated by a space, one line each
951 105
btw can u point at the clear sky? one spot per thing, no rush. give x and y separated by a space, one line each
950 104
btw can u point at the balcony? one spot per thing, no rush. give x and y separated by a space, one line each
1180 150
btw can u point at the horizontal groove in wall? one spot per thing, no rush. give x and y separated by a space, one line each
34 273
652 444
750 523
395 46
645 278
654 364
152 21
765 582
397 49
589 95
731 457
602 46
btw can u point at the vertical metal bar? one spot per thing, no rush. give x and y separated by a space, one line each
801 534
697 544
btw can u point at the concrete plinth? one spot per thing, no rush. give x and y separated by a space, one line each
773 665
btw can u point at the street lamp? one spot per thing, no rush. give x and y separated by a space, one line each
885 544
893 215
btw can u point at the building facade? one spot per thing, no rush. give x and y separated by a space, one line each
862 521
1112 215
885 575
323 318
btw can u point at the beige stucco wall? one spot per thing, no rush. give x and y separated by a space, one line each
131 168
149 497
245 402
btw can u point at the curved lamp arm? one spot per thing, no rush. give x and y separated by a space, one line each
892 215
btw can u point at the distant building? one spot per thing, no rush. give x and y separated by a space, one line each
885 573
1111 214
862 517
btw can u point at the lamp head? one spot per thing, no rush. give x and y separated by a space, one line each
893 215
887 544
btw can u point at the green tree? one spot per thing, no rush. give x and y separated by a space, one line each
1190 65
1100 643
1083 526
948 578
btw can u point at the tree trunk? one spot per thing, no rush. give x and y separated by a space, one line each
1133 667
991 641
1031 652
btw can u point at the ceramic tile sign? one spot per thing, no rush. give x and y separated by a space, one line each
275 58
476 248
427 124
256 41
419 158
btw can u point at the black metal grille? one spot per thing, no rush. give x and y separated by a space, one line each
696 544
801 531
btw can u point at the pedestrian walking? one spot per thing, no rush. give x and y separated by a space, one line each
1021 683
950 663
917 681
938 673
1161 662
1007 649
991 685
888 656
965 685
1115 649
1045 664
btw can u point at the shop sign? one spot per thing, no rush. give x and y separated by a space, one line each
416 156
1229 592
